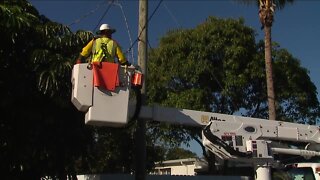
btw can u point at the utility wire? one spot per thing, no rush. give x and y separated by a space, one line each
149 45
109 6
87 14
127 26
171 14
173 18
148 20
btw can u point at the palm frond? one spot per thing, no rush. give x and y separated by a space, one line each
279 4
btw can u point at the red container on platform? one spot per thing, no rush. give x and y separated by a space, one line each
137 79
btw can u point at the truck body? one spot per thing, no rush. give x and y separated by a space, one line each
306 171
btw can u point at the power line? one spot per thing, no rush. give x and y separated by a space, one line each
171 15
148 20
127 26
112 2
109 6
87 14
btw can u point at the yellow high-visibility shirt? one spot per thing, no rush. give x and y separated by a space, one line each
112 50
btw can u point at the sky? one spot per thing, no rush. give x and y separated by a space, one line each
296 27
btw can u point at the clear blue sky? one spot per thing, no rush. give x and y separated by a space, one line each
296 27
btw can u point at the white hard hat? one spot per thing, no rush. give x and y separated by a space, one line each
107 27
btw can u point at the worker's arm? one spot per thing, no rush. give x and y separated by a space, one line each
87 49
120 55
122 59
85 52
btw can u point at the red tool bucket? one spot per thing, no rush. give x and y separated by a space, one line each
137 79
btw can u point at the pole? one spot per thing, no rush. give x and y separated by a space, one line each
142 43
140 173
263 171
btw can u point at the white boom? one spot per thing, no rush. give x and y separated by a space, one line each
242 138
227 136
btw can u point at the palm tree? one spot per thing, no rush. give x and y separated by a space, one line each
266 16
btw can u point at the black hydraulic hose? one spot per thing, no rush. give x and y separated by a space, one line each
135 116
137 91
215 140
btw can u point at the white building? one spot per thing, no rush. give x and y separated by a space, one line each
187 167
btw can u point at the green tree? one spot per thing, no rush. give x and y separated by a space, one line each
266 16
179 153
40 133
218 67
204 69
296 93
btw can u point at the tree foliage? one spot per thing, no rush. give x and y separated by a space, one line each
190 66
41 132
296 94
179 153
279 4
266 17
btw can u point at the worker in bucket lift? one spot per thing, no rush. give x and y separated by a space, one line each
103 48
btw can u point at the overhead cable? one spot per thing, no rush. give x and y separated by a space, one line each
171 14
103 15
148 20
87 14
127 26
